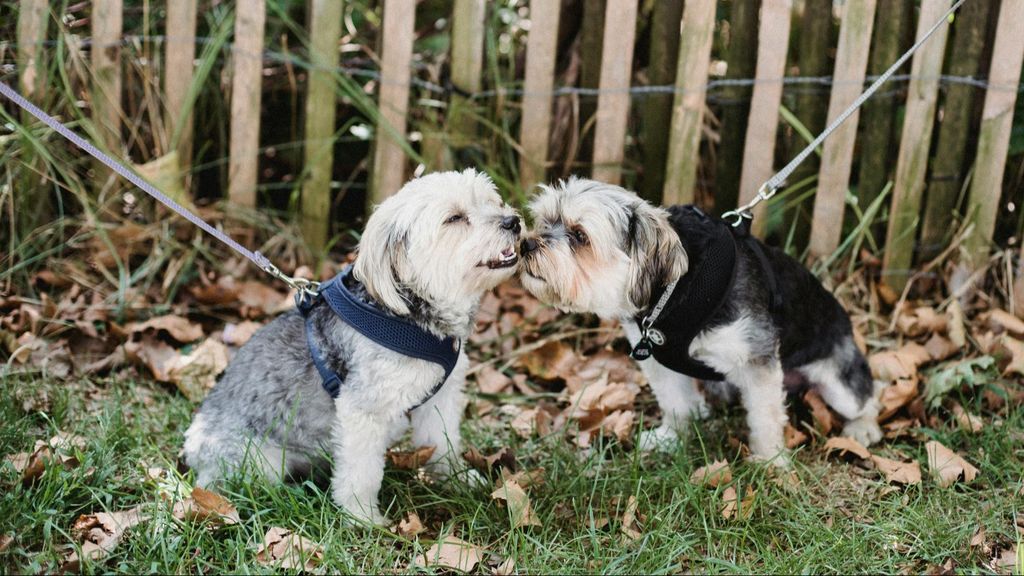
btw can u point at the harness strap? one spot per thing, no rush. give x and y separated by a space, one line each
742 232
329 378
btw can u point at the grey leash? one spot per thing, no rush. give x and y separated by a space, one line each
303 285
769 188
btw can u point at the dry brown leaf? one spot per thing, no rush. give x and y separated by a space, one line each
259 299
5 542
532 421
846 444
733 507
239 334
897 395
905 473
506 568
794 436
503 458
1015 348
890 365
410 526
554 359
629 528
154 354
178 328
453 553
525 478
1002 320
939 347
957 332
967 421
60 449
978 539
99 533
411 460
492 381
519 509
196 372
712 475
207 505
284 549
1010 561
948 466
823 419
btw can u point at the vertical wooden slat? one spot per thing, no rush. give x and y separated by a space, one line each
321 105
914 144
742 61
759 145
837 155
591 39
657 108
246 84
31 58
688 109
467 66
950 163
105 57
389 159
996 125
613 103
541 47
179 59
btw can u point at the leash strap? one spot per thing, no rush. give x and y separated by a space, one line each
257 258
769 188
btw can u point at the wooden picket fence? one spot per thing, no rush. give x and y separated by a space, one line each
391 167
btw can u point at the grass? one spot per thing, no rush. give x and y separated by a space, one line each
838 519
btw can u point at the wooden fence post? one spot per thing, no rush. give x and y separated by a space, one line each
666 17
741 60
996 124
688 109
246 88
958 113
33 17
837 155
467 67
759 145
613 102
914 144
591 40
321 105
534 134
180 47
105 56
389 159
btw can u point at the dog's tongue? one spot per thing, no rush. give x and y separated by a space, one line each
508 252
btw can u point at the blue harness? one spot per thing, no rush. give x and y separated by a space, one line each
389 331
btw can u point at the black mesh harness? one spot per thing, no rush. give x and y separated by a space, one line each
684 309
389 331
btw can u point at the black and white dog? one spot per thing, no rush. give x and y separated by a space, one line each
700 299
426 257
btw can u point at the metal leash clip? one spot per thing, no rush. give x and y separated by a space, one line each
765 192
305 290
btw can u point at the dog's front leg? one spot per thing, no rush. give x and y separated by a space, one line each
360 441
764 398
677 395
436 422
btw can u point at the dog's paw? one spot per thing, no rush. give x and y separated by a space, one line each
664 438
863 430
780 460
358 517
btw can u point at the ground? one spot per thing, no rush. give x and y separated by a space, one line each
835 517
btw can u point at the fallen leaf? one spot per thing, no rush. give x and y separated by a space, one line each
286 550
712 475
906 473
492 381
1010 561
532 421
846 444
1002 320
411 460
506 568
453 553
155 354
794 436
1015 348
823 419
525 478
734 508
939 347
947 466
178 328
554 359
978 539
5 542
258 299
967 421
239 334
223 292
211 506
503 458
518 502
629 528
98 534
956 331
410 526
897 395
953 375
195 373
890 365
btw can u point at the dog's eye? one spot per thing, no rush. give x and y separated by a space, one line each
579 236
455 218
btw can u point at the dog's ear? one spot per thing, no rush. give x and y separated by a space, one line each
381 257
656 255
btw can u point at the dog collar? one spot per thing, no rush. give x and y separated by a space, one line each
686 307
392 332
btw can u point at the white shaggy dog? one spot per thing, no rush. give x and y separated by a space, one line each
698 297
426 257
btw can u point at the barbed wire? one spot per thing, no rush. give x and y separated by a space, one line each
801 83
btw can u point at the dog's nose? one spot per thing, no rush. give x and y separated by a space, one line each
528 245
511 223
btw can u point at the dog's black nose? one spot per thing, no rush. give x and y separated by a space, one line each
527 246
511 223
